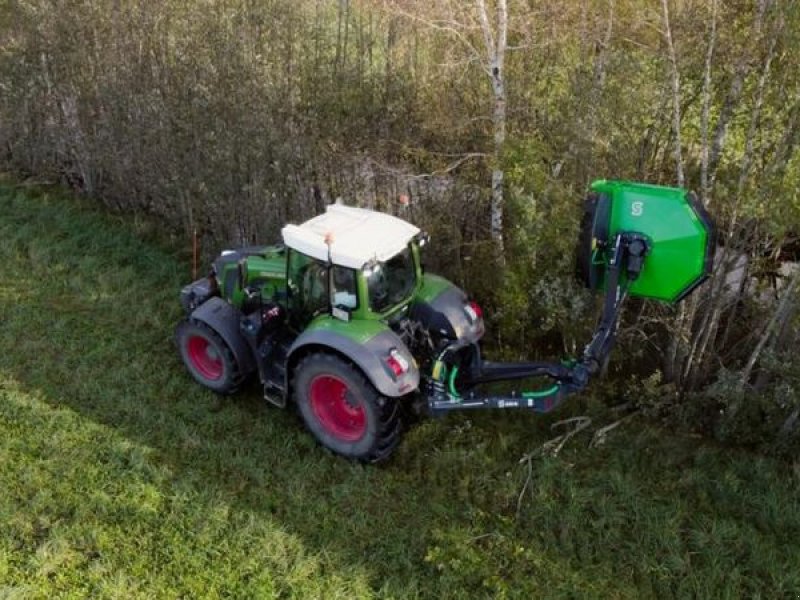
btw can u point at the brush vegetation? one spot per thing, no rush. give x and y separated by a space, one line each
481 121
121 478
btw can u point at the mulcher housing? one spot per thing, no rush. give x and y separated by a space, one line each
342 319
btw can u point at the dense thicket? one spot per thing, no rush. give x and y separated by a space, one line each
231 117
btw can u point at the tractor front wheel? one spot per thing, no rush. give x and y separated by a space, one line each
343 410
207 357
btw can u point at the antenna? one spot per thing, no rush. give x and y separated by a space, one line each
194 253
329 237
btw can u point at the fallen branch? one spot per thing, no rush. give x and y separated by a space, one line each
551 447
600 436
554 446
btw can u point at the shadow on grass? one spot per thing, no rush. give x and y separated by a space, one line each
209 496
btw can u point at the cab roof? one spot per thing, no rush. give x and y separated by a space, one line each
353 236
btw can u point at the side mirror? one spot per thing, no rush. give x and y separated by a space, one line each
341 312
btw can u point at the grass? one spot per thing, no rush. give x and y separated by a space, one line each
120 477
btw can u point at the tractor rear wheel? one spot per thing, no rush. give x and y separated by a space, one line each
207 357
343 410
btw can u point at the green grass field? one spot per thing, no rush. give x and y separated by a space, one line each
120 477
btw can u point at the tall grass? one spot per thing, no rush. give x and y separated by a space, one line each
120 477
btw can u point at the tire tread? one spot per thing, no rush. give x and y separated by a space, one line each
390 425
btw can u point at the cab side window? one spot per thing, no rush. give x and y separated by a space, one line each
308 287
344 293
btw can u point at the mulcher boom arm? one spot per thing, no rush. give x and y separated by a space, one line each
626 226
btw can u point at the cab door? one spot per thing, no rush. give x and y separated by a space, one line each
308 283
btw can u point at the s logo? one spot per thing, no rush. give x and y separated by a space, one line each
637 208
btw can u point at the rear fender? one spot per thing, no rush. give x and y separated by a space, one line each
369 356
224 319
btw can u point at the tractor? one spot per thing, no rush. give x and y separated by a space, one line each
342 321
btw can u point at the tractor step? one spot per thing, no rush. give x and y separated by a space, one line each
275 395
272 367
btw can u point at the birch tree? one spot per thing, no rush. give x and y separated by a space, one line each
495 41
489 23
675 82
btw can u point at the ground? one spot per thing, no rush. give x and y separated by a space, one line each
121 477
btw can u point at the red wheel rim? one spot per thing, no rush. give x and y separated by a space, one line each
333 406
204 356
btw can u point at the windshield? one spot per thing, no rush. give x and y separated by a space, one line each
391 282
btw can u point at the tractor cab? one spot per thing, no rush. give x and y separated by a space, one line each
350 263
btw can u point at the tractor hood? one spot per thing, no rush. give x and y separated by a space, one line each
445 310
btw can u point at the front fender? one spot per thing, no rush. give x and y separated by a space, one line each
369 355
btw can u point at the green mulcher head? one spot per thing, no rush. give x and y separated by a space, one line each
680 236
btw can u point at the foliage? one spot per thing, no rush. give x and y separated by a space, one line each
539 298
765 419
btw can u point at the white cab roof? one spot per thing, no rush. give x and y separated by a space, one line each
356 236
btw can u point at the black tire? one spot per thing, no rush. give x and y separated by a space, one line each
207 357
594 226
344 411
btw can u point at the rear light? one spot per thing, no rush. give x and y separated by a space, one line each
474 311
478 310
396 362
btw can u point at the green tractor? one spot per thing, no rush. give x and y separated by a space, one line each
342 321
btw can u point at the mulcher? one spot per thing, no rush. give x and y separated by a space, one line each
342 321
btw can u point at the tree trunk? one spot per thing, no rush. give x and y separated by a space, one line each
704 189
784 308
680 337
732 99
676 95
495 51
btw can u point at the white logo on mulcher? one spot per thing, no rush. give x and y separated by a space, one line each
637 208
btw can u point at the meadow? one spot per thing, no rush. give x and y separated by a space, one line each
122 478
